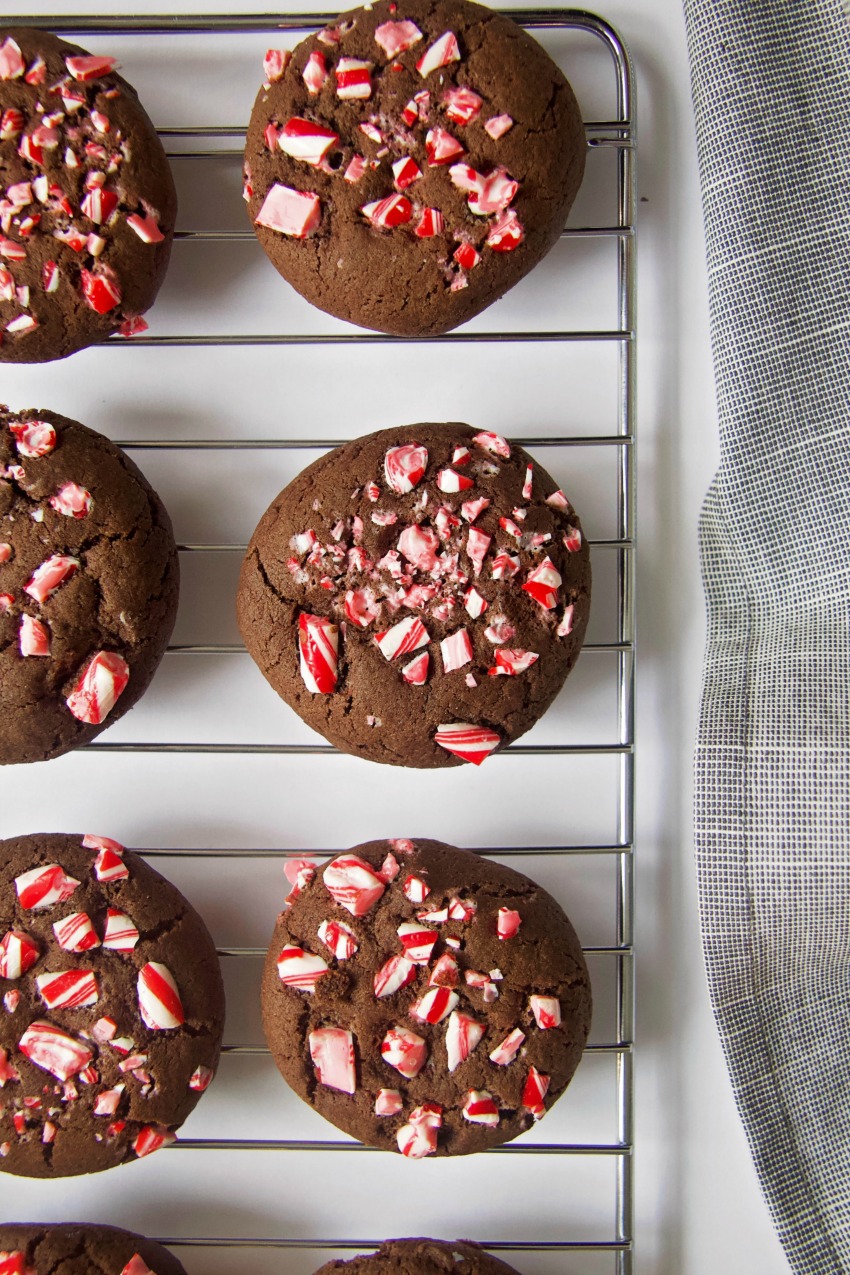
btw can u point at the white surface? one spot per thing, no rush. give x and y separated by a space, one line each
699 1208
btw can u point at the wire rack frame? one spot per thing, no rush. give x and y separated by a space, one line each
620 134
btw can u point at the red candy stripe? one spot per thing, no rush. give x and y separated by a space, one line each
318 646
332 1052
472 743
299 969
507 923
480 1108
18 953
47 578
441 53
543 584
462 1035
436 1004
159 1000
507 1050
408 635
54 1050
101 683
68 989
120 934
33 438
137 1266
85 68
151 1138
109 866
534 1091
353 884
417 942
397 37
339 939
395 973
41 887
306 140
295 213
404 1050
546 1011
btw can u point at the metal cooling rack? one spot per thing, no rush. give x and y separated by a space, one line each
619 134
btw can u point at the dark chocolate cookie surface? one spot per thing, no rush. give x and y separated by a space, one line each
87 201
111 1006
421 1257
424 999
419 595
409 164
88 584
81 1249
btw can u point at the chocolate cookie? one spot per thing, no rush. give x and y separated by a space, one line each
424 999
408 165
419 595
87 202
111 1006
421 1257
88 584
81 1249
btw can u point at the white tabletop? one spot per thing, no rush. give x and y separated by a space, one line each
699 1208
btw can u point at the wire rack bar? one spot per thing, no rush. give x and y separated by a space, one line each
617 134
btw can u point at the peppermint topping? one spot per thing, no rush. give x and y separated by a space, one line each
41 887
71 500
461 105
54 1050
445 972
33 638
201 1078
332 1052
434 1005
403 1049
275 63
418 943
151 1139
462 1035
341 940
415 889
481 1108
470 743
456 650
498 126
546 1011
388 1102
441 53
295 213
406 636
68 989
101 682
315 73
384 214
441 147
418 1137
12 65
353 884
506 1052
109 866
47 578
137 1266
33 438
493 443
508 923
18 953
543 584
534 1091
120 934
416 672
397 37
512 662
353 78
300 969
305 140
85 68
394 974
159 1000
318 646
76 933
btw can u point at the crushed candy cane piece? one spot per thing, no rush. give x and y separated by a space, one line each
68 989
418 943
441 147
201 1078
456 650
89 67
152 1138
353 79
315 73
332 1053
75 933
416 672
12 65
33 637
41 887
508 922
33 438
353 884
405 172
418 1137
493 443
408 635
395 973
100 684
507 1050
109 865
71 500
543 584
546 1011
47 578
318 649
295 213
441 53
506 232
474 603
397 37
404 467
451 482
435 1005
159 1000
119 934
54 1050
462 1036
498 126
404 1050
18 953
511 662
480 1108
446 972
415 889
388 1102
300 969
534 1091
471 743
306 140
339 939
419 546
275 63
385 214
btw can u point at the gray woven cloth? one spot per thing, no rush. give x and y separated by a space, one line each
771 89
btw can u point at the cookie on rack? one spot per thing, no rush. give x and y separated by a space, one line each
87 201
421 1257
88 584
409 164
425 999
419 595
80 1249
111 1006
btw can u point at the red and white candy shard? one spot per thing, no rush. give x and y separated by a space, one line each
353 884
388 1102
101 289
151 1138
416 672
430 223
68 989
449 481
462 105
435 1005
397 37
456 650
445 972
471 743
159 1000
318 650
405 172
147 228
572 539
91 841
41 887
341 940
104 1030
137 1266
395 973
201 1078
390 868
566 625
462 1035
418 1138
356 168
507 923
415 889
88 67
101 683
120 934
296 213
404 467
54 1050
441 147
33 438
511 662
299 969
480 1108
418 943
477 544
534 1091
474 603
33 637
353 78
47 578
462 909
408 635
109 866
466 257
18 953
419 546
498 126
506 232
71 500
404 1050
441 53
306 140
546 1011
493 443
507 1051
332 1052
275 63
360 607
12 64
106 1102
394 210
543 584
315 73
